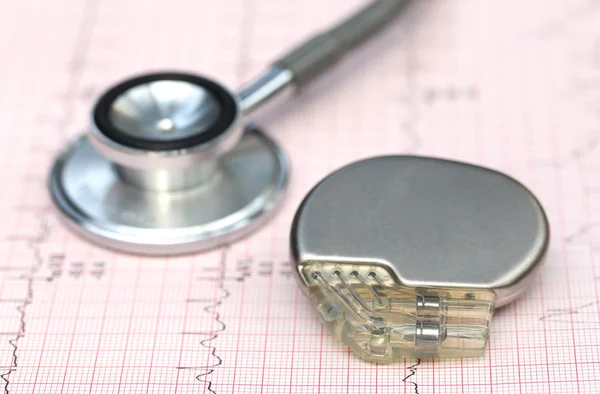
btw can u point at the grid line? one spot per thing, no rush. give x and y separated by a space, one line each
507 84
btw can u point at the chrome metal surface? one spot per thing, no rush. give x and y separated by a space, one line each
186 119
165 110
433 222
266 86
167 160
428 335
168 180
243 193
428 305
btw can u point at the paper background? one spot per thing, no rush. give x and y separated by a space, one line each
512 85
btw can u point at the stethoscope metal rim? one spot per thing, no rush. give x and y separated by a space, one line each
184 153
227 100
170 241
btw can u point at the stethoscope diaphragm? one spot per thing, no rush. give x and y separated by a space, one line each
158 172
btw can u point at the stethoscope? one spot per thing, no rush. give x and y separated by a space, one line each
170 164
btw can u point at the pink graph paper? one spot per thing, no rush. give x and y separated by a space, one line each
509 84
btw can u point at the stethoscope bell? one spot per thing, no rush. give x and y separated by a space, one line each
168 167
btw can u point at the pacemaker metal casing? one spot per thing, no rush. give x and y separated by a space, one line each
434 223
407 256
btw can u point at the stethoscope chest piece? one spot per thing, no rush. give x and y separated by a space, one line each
168 167
409 256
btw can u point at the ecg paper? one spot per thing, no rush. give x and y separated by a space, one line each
511 85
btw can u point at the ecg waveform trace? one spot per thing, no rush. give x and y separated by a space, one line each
511 85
